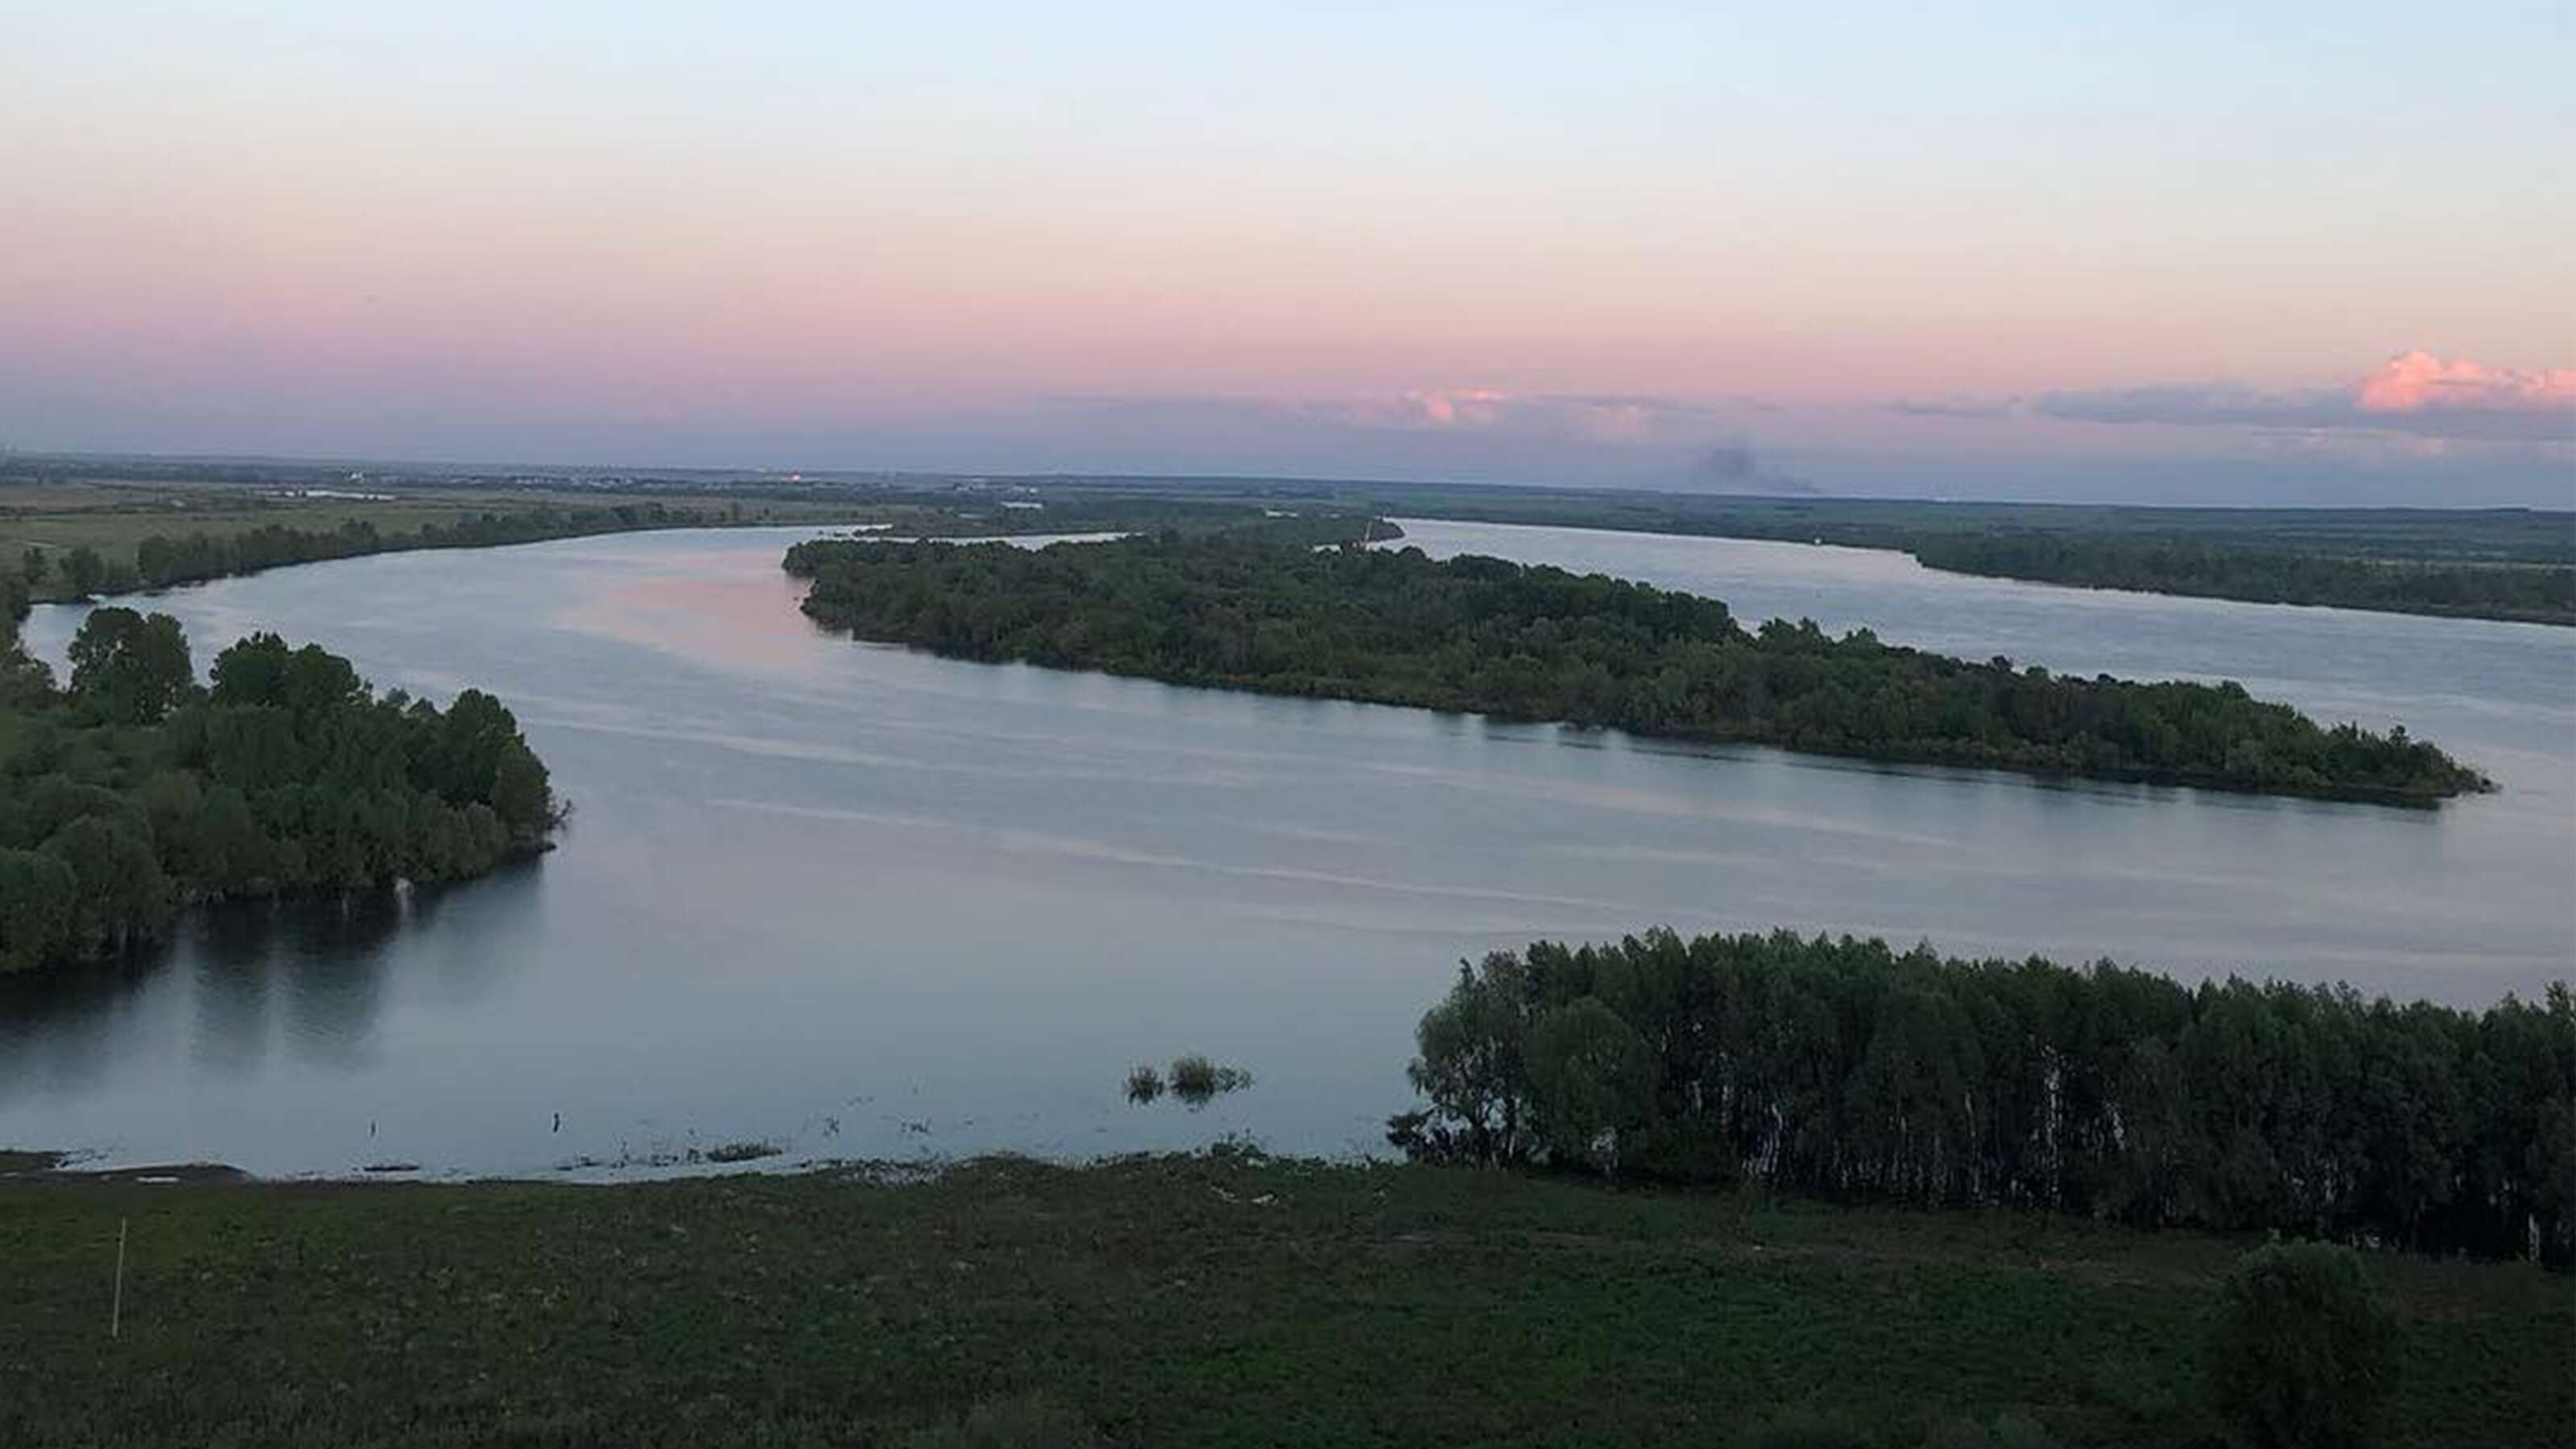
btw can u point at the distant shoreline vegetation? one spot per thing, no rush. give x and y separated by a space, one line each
1538 643
2512 564
2515 593
161 561
232 547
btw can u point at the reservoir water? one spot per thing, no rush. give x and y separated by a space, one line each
859 902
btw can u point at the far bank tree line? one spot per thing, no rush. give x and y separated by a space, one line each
1487 635
135 790
2494 563
1850 1070
2537 593
160 561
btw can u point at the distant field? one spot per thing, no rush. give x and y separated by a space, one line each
1183 1301
112 516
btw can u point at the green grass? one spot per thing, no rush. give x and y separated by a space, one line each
1201 1301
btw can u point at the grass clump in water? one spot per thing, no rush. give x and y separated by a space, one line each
1144 1084
1197 1080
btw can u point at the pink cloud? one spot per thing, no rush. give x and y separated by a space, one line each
2418 382
2415 394
1604 419
1429 408
1474 407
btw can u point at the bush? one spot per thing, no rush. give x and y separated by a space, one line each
1024 1421
1805 1429
1144 1084
2305 1350
2011 1431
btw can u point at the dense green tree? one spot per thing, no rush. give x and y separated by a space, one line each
37 893
130 668
25 681
262 670
2304 1354
1469 633
1842 1067
120 892
84 570
1472 1068
233 854
44 804
521 794
146 793
1591 1081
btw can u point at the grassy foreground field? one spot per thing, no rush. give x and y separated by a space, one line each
1223 1299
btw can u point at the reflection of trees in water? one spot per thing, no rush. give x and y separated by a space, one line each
57 1027
325 956
316 965
465 936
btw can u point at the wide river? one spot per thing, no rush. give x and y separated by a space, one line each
862 902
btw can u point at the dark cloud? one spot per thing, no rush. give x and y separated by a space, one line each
1729 462
1732 467
1955 407
2200 405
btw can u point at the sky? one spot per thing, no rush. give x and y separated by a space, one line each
2285 253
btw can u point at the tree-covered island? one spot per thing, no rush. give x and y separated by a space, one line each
1539 643
135 791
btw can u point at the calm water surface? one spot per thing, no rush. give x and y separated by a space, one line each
862 902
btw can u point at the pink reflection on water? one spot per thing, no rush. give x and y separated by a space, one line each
721 618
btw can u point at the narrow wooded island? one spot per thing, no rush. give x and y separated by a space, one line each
1539 643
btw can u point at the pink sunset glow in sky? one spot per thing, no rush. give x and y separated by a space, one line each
2319 255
